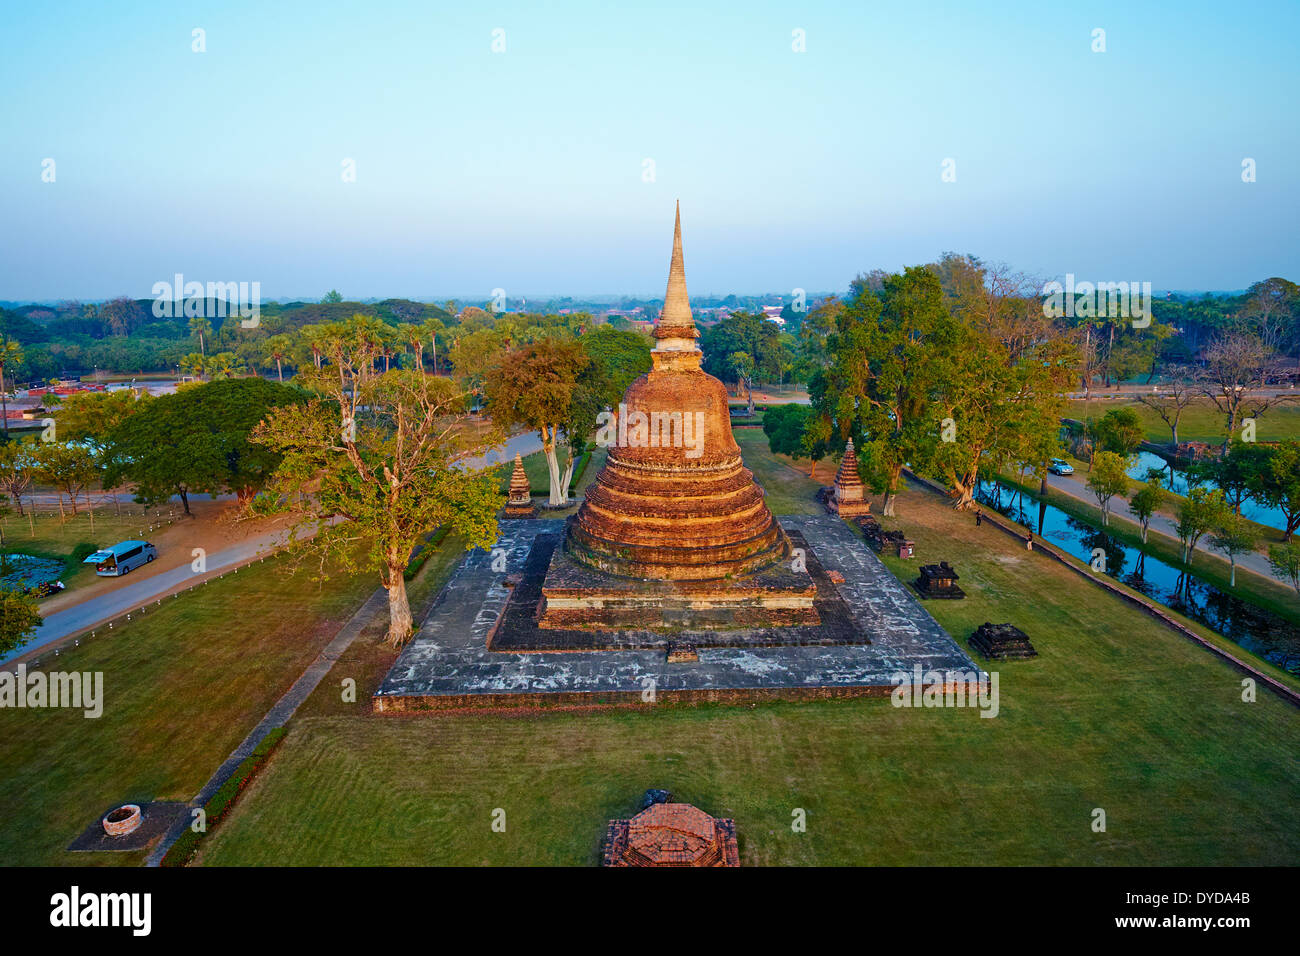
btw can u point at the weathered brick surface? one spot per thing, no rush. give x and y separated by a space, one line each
671 834
448 662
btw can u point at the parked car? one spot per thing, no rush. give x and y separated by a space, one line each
121 558
1059 466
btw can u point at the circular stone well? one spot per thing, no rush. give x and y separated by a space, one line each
123 820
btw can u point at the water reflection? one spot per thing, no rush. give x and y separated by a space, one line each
1175 479
1258 631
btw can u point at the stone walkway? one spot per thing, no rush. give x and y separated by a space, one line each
277 716
448 663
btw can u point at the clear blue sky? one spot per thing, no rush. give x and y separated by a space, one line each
523 170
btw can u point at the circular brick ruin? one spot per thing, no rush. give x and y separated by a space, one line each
125 819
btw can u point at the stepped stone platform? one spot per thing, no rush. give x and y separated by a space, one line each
1002 642
548 571
450 663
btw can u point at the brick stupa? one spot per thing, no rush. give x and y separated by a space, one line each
848 498
519 504
674 531
671 834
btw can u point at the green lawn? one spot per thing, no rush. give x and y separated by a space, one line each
1117 713
1200 421
789 490
539 478
183 685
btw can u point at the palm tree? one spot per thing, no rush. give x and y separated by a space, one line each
202 328
193 364
413 335
432 326
11 355
277 349
313 338
221 365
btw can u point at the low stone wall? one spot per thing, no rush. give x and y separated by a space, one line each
730 695
1034 542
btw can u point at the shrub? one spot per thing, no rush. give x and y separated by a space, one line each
219 804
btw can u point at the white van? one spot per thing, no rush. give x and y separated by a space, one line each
121 558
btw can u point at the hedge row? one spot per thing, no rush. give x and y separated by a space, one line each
219 804
423 551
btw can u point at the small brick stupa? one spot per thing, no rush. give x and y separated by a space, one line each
848 498
520 502
671 834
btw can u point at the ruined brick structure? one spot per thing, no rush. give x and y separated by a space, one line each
671 834
674 510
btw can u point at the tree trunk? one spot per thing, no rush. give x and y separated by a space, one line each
72 497
887 509
185 500
400 625
4 403
1232 571
279 371
568 475
553 466
18 500
965 499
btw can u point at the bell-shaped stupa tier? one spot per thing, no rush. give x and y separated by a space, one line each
674 502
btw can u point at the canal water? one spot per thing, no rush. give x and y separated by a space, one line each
25 570
1261 632
1175 479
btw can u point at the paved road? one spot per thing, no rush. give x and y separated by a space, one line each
1254 561
525 443
133 594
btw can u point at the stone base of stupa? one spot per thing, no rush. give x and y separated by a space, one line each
575 596
519 509
847 508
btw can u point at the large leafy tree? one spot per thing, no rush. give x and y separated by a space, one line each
536 386
381 459
197 441
1119 431
19 619
880 384
1239 473
1278 484
90 416
743 348
1001 381
67 467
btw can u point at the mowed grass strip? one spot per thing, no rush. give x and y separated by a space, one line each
1201 420
1116 713
183 684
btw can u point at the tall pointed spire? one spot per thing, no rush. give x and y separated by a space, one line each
676 330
